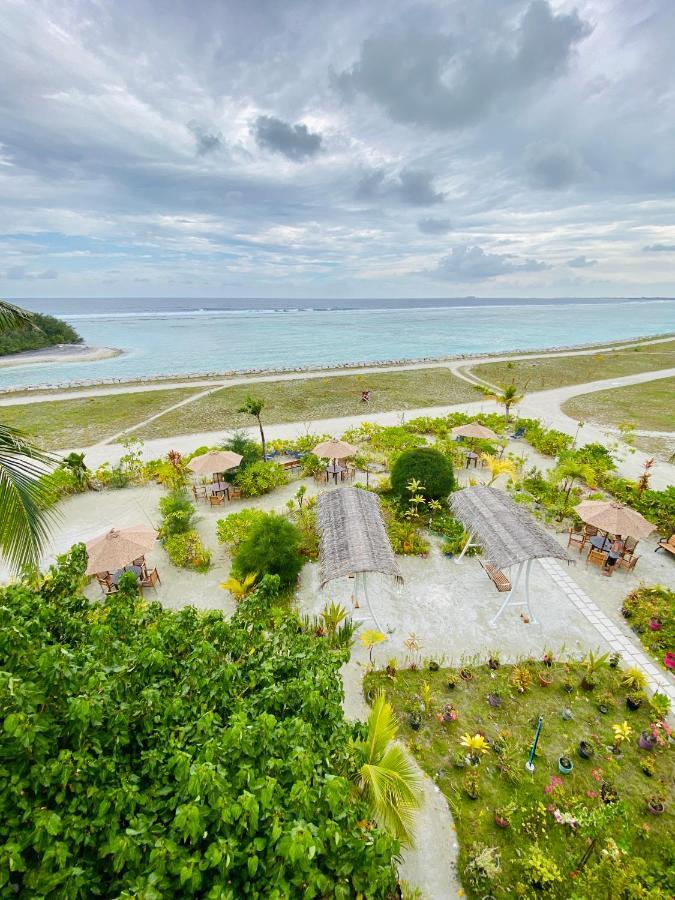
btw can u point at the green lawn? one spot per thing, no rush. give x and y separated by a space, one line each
306 399
536 798
551 372
60 424
650 406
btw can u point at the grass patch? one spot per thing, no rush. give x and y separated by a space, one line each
59 424
628 833
650 612
648 406
554 371
306 399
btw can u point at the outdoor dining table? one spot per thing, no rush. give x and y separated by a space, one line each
137 570
334 471
219 487
604 544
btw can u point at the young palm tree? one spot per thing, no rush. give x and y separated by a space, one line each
569 473
499 467
388 779
240 589
507 396
24 497
253 406
77 467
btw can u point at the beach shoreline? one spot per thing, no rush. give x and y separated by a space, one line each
199 378
59 353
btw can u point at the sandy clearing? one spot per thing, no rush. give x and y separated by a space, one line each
61 353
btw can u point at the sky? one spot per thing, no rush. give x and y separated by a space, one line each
222 148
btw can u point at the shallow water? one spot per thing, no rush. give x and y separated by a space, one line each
180 337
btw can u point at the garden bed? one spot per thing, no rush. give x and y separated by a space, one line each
552 817
650 611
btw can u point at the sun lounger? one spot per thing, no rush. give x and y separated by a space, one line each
517 434
499 579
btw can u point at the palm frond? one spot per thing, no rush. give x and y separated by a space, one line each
26 502
392 790
382 728
13 316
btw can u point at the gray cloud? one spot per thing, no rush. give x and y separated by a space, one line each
434 226
659 248
582 262
20 273
467 263
446 80
207 141
552 166
295 142
411 186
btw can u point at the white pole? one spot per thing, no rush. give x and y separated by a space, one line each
465 548
514 587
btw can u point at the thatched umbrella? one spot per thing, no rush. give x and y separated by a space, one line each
334 449
119 547
614 518
475 430
215 461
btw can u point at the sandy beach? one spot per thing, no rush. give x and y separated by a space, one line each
61 353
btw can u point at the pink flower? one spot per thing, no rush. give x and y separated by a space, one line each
592 794
597 774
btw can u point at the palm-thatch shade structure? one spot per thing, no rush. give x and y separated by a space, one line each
119 547
214 461
507 533
475 430
614 518
334 449
353 539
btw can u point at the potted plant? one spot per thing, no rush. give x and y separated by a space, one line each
476 745
547 659
608 793
451 682
415 721
472 784
605 702
434 665
494 700
545 680
669 660
585 750
634 700
568 685
566 714
503 815
589 682
636 681
621 733
565 765
466 674
391 668
458 759
648 766
656 804
494 661
660 704
614 660
592 665
447 714
647 740
655 624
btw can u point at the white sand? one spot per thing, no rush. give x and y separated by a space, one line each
61 353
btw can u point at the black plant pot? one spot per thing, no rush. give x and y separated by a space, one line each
603 709
633 704
495 701
415 724
584 750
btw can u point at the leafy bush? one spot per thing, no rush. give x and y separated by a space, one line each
47 332
597 456
260 478
249 450
62 483
272 547
152 753
427 466
547 441
404 536
652 604
177 514
186 550
234 528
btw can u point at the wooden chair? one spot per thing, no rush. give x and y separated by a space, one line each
590 531
235 493
105 583
628 564
668 545
576 540
597 557
215 499
151 579
199 492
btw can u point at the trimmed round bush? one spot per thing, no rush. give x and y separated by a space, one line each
427 466
272 547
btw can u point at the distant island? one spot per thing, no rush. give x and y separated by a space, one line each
42 331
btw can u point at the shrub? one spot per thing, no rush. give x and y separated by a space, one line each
62 483
234 528
646 605
177 514
260 478
272 547
42 331
546 441
249 450
186 551
155 753
427 466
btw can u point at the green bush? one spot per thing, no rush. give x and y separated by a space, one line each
647 603
260 478
47 332
187 551
249 450
272 547
657 507
546 441
427 466
177 514
151 753
234 528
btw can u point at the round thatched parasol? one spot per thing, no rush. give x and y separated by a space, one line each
475 430
214 461
614 518
119 547
334 449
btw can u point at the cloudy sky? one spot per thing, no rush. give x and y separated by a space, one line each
337 148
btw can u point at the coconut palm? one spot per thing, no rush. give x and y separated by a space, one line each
240 589
570 472
25 498
506 396
388 779
253 406
499 467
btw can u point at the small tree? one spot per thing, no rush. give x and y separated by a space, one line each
426 467
74 464
253 406
506 396
272 547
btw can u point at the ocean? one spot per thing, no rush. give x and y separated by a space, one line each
162 337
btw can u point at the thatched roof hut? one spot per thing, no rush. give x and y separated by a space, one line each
506 532
353 536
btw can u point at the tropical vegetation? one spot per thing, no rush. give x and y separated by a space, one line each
36 333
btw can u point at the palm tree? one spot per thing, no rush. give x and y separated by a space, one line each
25 497
253 406
388 779
507 396
499 467
569 473
240 589
77 467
